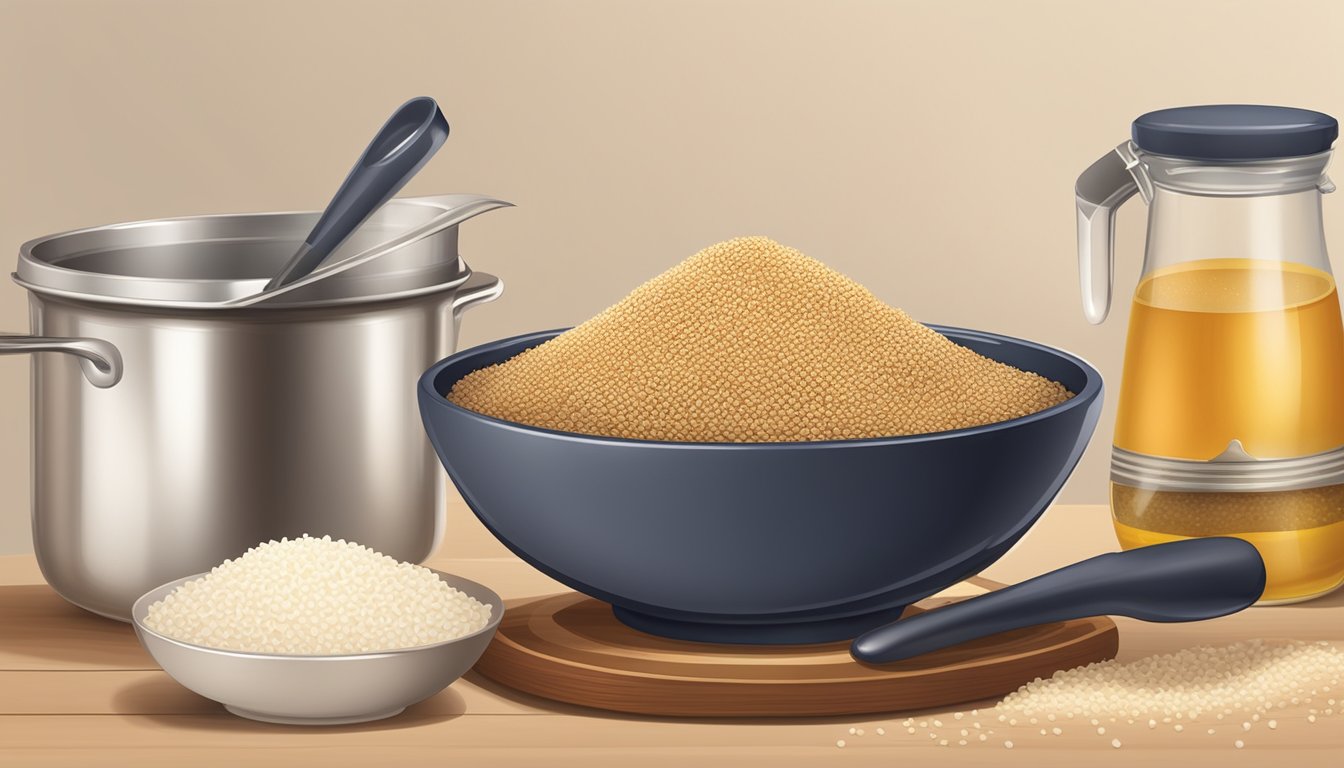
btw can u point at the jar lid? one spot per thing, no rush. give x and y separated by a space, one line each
204 262
1235 132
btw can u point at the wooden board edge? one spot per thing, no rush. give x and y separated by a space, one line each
514 666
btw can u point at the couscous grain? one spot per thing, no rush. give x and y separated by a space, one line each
751 341
1191 683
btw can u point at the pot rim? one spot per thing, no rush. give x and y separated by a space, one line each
140 303
48 273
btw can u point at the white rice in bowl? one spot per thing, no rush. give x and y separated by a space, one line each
316 597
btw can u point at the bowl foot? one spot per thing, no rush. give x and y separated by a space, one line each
764 633
285 720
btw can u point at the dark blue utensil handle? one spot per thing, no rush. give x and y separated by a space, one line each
400 149
1186 580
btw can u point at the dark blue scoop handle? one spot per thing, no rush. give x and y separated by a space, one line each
402 147
1186 580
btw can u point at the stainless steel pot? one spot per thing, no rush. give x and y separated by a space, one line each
176 432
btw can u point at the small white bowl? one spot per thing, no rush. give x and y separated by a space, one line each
318 690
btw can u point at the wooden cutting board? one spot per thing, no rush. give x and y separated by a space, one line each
571 648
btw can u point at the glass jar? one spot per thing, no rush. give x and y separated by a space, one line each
1230 418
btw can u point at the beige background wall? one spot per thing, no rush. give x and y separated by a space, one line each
927 149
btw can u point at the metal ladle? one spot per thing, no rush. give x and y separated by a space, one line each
459 208
400 149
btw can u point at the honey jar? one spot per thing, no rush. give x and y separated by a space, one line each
1230 419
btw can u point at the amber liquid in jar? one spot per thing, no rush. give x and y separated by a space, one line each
1248 350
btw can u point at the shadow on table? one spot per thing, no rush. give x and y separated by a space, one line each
39 626
159 694
150 697
1333 600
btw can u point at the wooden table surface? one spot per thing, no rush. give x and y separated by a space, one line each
77 690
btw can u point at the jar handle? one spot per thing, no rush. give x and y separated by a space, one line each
1100 190
100 359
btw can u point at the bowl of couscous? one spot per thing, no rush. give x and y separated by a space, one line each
751 448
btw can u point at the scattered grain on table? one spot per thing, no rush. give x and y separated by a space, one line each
1243 682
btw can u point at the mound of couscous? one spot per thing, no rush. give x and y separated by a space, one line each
752 341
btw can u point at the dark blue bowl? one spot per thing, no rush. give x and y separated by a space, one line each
762 542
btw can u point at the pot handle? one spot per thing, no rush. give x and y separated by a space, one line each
100 360
478 288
